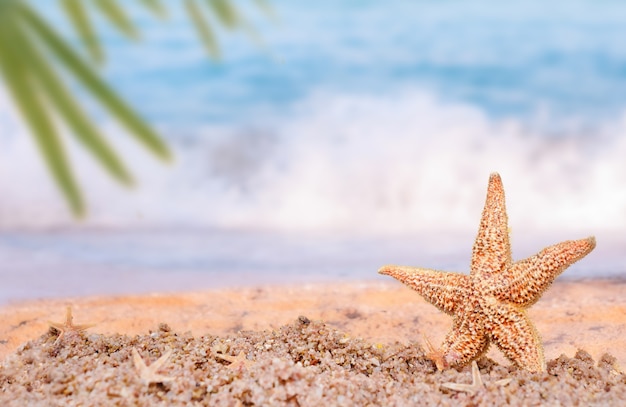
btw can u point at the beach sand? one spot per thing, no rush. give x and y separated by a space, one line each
341 344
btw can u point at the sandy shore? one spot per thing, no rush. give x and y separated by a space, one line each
589 315
570 315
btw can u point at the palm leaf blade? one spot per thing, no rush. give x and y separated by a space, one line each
203 28
16 73
80 20
155 6
55 91
267 8
96 86
229 16
117 16
40 91
225 12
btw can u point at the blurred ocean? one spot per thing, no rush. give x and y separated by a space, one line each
347 135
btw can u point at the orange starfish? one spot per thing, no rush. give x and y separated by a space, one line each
489 305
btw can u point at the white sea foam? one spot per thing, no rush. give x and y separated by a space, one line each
340 163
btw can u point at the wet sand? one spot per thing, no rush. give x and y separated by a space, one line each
369 321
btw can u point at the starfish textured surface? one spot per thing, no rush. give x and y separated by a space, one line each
148 374
68 328
489 305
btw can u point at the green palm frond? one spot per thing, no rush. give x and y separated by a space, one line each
117 17
51 85
226 12
267 8
80 19
222 12
82 72
40 91
203 27
155 6
15 68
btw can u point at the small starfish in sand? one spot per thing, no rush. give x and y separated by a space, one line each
238 363
477 382
489 305
68 328
148 374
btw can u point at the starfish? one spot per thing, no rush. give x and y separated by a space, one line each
237 363
477 382
68 328
148 374
489 305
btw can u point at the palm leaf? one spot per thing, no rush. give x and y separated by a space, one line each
203 28
27 41
267 8
16 70
117 16
225 12
52 41
77 14
58 96
155 6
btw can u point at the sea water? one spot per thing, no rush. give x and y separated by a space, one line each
338 137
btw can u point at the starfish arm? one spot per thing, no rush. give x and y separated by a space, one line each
148 374
443 290
466 342
514 334
156 365
140 365
68 328
57 325
525 281
492 250
477 382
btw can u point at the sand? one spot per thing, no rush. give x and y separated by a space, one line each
344 344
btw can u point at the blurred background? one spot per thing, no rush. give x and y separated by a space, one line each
340 136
